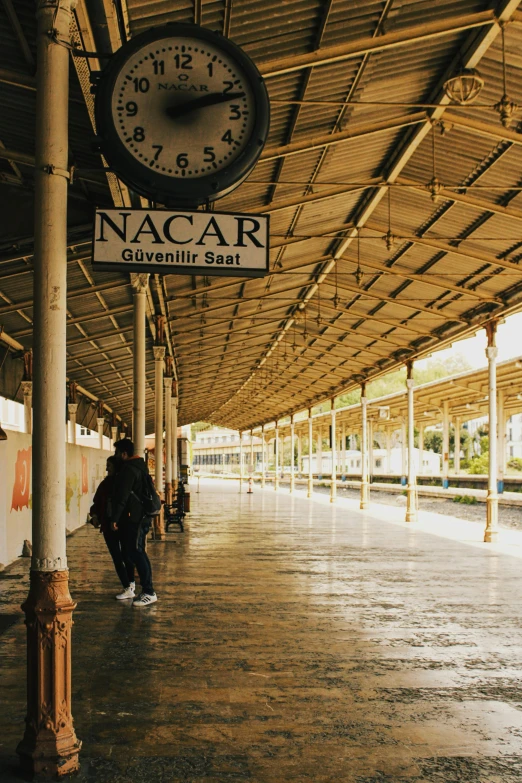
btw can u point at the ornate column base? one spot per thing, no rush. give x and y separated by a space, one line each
411 507
365 495
491 532
49 747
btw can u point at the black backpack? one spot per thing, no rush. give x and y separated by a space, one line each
150 500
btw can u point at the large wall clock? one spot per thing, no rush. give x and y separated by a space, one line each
182 114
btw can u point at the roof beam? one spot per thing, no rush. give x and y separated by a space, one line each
331 139
16 79
407 36
496 132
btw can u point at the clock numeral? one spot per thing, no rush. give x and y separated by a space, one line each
229 87
159 148
159 67
236 113
210 69
182 160
139 134
141 85
183 61
227 137
209 156
131 108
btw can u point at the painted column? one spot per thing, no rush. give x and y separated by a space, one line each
421 449
49 746
100 421
73 409
114 435
292 447
388 451
299 453
365 494
445 444
456 450
404 468
411 490
319 452
333 481
27 390
139 283
251 465
501 442
310 455
174 415
276 479
240 461
343 449
159 358
167 384
370 451
263 456
491 532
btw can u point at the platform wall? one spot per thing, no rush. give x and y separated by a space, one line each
85 470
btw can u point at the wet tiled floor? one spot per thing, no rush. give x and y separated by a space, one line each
292 642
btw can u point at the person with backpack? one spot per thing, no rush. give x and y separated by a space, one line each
100 514
133 497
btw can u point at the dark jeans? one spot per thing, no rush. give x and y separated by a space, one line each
122 563
133 539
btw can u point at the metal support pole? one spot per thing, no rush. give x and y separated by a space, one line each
49 747
501 442
276 479
421 449
139 283
333 480
456 448
73 408
299 453
167 383
404 468
343 450
27 390
310 455
240 461
388 451
292 447
263 469
319 453
159 358
101 424
370 451
411 491
251 465
174 436
365 493
491 532
445 444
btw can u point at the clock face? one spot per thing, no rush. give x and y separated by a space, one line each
182 114
183 107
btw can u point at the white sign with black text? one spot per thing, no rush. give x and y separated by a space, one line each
181 242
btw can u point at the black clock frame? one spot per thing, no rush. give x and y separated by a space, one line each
162 188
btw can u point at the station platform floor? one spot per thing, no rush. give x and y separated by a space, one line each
293 640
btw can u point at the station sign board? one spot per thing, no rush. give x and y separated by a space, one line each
184 242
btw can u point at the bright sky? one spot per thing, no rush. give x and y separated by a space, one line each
509 342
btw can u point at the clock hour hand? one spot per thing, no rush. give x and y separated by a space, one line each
181 109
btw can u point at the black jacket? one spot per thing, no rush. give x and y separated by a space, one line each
129 485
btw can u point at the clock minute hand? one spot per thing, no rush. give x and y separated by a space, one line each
200 103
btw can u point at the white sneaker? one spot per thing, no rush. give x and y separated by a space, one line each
127 593
145 599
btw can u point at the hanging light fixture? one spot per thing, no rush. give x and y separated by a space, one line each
464 87
505 107
388 237
434 185
336 298
358 274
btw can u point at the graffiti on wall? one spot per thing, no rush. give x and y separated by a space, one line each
22 480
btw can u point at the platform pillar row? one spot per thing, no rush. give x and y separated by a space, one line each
292 449
139 283
411 490
276 449
365 487
49 747
167 384
491 531
333 482
310 454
